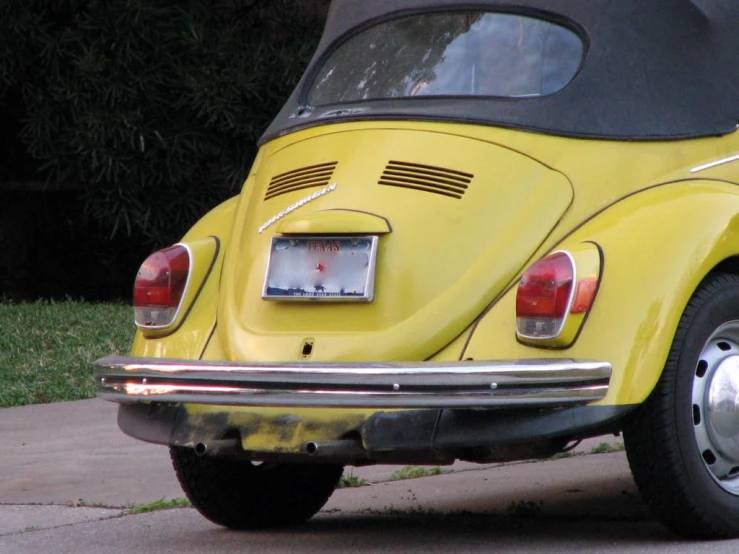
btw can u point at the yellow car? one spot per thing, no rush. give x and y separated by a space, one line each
473 233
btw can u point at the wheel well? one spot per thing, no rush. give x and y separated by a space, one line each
729 265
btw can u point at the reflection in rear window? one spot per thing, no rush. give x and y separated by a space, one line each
450 54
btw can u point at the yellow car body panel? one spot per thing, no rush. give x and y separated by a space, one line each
334 222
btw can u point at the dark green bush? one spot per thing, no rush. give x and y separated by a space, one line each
148 110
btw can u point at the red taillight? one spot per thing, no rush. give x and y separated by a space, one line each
546 287
544 296
160 285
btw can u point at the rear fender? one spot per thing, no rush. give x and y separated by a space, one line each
191 337
658 245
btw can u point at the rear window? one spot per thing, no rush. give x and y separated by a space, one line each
450 54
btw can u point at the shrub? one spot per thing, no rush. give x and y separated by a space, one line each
148 109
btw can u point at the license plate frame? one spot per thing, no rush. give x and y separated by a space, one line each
321 268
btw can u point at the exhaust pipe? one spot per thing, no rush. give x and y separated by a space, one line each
218 447
335 449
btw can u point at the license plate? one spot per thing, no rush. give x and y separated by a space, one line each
321 268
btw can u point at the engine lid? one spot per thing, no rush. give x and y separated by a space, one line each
457 219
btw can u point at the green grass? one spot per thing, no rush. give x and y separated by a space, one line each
160 504
349 481
414 472
559 456
46 348
604 448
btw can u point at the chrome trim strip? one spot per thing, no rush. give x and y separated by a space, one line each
473 384
292 207
714 164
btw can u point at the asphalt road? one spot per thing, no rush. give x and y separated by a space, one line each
68 476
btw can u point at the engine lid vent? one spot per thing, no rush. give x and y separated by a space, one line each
429 178
305 177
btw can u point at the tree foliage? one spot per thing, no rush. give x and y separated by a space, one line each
149 108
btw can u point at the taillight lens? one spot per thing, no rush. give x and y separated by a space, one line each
544 296
160 286
555 296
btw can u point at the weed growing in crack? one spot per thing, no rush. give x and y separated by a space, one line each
349 481
414 472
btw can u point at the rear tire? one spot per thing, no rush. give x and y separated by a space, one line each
239 494
683 442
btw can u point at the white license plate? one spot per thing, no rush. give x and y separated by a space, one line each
321 268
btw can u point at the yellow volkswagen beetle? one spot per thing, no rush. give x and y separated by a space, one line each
473 233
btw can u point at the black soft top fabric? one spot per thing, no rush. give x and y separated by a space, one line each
653 70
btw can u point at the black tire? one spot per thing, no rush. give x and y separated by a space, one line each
683 442
239 494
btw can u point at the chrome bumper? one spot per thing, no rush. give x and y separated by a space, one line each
464 384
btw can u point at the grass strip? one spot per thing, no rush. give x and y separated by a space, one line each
46 348
157 505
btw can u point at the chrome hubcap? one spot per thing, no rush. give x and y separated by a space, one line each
716 406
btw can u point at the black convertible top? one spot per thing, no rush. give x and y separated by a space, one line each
653 70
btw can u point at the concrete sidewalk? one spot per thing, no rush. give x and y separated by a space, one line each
69 463
73 452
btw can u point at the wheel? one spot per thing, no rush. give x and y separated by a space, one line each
683 442
242 495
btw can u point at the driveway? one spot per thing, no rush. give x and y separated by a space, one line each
70 476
